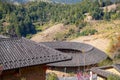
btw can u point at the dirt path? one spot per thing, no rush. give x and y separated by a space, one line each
100 43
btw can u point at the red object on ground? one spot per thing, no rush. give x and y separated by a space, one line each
1 69
82 76
79 75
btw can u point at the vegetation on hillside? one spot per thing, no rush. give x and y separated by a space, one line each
113 77
17 20
51 76
115 50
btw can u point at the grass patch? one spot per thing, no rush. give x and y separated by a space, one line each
43 27
106 62
51 76
113 77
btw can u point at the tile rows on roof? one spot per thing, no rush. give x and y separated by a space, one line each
91 55
102 72
69 45
21 52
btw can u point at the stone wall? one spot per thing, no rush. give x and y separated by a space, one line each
27 73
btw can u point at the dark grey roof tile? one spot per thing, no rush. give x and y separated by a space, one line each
21 52
102 70
117 67
87 54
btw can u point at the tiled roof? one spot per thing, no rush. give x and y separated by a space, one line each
117 67
101 70
21 52
1 36
87 54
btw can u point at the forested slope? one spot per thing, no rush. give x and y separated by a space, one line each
20 20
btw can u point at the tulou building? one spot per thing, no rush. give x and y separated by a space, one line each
23 59
84 56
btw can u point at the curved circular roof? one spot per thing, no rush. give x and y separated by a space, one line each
85 54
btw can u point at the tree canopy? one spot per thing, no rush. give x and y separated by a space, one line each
19 19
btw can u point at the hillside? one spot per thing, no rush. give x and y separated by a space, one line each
94 40
22 18
50 34
24 1
27 20
107 31
54 1
67 1
94 22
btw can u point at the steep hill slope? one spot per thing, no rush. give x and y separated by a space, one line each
106 36
107 31
48 35
56 1
94 40
66 1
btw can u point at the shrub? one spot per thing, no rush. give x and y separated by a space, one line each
88 32
113 77
114 47
23 78
106 62
52 76
115 16
28 36
72 74
66 22
81 24
62 36
59 37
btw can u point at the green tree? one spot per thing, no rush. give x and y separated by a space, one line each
17 29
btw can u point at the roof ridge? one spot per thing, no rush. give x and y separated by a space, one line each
10 39
72 45
2 36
